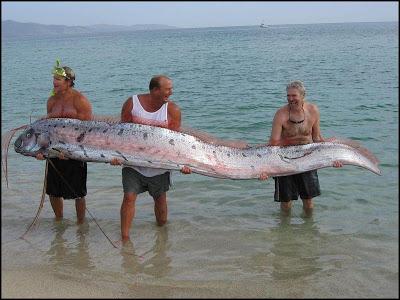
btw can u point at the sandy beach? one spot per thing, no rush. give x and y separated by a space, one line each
42 283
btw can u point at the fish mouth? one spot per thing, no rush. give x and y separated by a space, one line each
18 144
26 152
20 148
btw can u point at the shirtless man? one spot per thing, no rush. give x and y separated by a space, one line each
154 108
66 102
297 123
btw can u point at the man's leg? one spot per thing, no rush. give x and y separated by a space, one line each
127 213
161 209
80 206
57 205
308 206
309 188
286 206
283 191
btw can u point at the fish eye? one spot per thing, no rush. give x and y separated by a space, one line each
29 133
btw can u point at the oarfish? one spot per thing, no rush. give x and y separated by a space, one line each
156 147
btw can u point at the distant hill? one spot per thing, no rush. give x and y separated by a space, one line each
11 28
114 28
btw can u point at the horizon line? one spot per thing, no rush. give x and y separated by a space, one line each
179 27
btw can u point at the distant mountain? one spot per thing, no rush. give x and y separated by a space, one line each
114 28
11 28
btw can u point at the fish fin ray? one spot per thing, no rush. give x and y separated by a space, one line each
5 144
210 139
111 119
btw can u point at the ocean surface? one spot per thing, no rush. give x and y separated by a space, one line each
223 237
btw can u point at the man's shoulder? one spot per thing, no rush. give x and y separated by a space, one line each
172 105
77 94
281 111
80 102
312 107
283 108
129 99
141 97
173 108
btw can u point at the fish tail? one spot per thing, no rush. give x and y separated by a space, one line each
362 150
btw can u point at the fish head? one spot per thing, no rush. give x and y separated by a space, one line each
31 142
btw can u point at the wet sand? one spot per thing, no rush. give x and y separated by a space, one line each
42 283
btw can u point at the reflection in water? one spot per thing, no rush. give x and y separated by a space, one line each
296 248
75 255
158 265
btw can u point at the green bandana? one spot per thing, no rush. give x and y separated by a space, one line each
58 70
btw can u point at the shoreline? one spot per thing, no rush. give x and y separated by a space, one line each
36 283
42 283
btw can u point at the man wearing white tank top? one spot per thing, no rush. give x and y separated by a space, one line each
156 109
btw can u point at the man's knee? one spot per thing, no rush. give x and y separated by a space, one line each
161 221
129 197
80 200
286 205
307 203
161 209
55 199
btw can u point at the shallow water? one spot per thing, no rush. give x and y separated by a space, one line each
223 237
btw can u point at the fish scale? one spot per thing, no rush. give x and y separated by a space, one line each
156 147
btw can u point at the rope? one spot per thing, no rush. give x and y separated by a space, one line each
41 202
72 190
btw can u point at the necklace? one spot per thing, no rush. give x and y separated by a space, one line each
298 122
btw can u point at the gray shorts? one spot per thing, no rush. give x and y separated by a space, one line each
134 182
289 188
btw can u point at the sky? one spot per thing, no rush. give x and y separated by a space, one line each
189 14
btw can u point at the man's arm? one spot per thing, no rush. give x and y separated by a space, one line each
174 117
126 117
316 130
276 131
317 136
174 123
50 104
275 138
126 111
83 108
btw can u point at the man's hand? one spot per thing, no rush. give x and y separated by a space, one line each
115 162
186 170
337 164
40 156
61 156
263 176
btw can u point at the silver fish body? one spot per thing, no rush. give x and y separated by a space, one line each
155 147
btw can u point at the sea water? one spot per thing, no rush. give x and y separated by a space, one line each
223 236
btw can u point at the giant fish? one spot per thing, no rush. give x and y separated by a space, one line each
156 147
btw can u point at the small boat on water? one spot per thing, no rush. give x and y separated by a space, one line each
262 25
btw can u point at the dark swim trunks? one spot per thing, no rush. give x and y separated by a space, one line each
73 172
290 187
135 182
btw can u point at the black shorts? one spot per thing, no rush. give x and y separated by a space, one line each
289 188
73 172
135 182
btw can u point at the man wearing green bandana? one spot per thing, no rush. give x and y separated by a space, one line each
68 180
